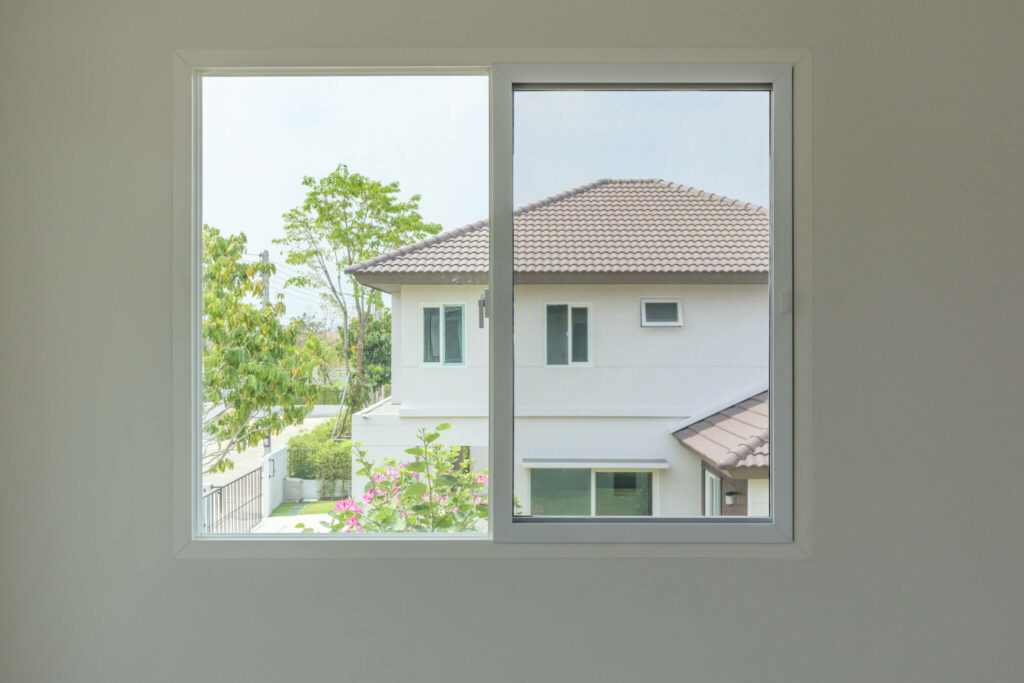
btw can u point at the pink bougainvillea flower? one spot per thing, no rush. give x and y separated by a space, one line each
348 505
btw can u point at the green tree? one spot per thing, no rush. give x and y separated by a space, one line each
347 218
376 349
257 376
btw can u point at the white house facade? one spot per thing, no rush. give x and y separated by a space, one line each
641 309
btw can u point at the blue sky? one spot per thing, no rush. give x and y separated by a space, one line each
262 135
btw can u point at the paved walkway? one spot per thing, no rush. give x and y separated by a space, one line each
285 524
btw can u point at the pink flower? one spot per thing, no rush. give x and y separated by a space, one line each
481 478
348 505
368 496
478 501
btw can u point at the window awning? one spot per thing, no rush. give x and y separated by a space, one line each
633 464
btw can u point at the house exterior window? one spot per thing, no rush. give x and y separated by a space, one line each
560 492
661 313
431 335
624 494
588 492
444 334
568 334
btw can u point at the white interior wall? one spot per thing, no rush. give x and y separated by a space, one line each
916 366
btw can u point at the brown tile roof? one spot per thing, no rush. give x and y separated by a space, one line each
734 437
607 226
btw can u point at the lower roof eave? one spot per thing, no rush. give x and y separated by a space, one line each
747 472
391 283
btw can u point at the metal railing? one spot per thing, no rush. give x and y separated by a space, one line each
236 507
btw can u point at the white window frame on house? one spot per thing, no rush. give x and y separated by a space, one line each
442 362
644 322
785 535
569 334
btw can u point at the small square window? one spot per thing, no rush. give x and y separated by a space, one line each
661 313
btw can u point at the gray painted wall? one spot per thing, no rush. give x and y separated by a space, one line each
914 572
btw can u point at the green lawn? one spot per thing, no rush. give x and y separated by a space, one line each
315 508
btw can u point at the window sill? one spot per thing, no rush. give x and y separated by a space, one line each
330 547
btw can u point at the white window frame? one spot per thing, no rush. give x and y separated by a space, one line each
590 335
788 534
678 322
442 363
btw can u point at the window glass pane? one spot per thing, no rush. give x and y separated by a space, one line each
647 197
453 334
579 335
310 317
558 335
661 312
559 491
623 493
431 335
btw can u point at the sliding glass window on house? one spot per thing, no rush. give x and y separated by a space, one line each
567 334
449 336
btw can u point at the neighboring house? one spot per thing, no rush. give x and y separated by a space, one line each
639 305
734 445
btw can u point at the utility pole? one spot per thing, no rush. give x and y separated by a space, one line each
265 258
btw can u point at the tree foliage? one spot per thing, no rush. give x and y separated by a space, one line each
436 491
347 218
257 377
376 349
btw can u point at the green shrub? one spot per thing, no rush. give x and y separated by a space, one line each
315 455
300 462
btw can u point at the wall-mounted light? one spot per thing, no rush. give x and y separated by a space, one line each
730 497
